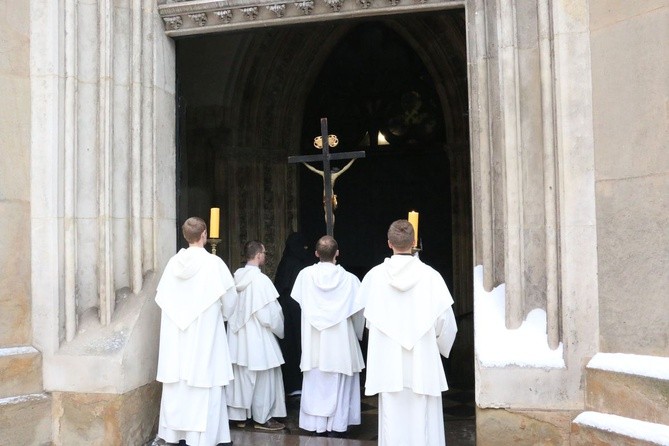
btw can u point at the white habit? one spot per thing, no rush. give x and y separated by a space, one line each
257 391
411 322
332 325
194 293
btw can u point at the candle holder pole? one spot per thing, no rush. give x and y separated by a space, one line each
417 249
213 242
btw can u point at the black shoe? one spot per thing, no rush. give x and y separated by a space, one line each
335 434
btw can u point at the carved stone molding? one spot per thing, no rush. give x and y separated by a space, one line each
254 13
305 6
279 9
250 13
335 4
225 15
173 23
199 18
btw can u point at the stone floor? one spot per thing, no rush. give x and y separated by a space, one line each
459 421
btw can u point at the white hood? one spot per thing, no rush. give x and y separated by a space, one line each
187 262
244 277
255 291
404 272
192 281
326 292
327 276
403 297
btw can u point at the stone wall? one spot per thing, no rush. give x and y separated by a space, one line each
104 419
630 70
15 327
99 176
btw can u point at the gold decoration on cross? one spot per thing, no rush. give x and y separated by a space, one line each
332 141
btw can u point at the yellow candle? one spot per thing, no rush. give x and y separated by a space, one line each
413 219
214 219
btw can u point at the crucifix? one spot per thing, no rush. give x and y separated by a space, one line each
328 179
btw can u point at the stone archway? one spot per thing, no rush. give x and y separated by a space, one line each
102 158
240 141
524 66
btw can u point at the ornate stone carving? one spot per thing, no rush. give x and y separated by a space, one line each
225 15
174 12
279 9
173 22
306 6
250 13
200 18
335 4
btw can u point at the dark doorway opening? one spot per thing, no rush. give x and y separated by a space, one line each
374 87
247 100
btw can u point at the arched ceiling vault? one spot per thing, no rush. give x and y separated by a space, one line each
277 69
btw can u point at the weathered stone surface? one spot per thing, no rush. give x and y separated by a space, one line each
15 316
26 420
631 396
627 147
513 427
633 255
21 373
631 127
14 173
104 419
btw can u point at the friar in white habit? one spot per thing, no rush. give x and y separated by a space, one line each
411 322
332 326
257 391
195 293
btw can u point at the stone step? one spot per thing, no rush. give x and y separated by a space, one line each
21 371
26 420
632 386
596 428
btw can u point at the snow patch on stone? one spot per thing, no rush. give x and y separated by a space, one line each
642 365
641 430
10 351
497 346
22 398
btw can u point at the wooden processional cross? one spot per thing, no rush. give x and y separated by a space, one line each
325 157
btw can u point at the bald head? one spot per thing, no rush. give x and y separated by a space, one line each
327 249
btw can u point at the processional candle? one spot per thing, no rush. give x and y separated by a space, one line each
214 222
413 219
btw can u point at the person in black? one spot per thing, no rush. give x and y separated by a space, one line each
296 256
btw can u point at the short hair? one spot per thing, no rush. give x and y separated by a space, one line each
326 247
252 248
193 228
401 234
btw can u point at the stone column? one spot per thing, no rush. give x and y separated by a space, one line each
102 205
533 152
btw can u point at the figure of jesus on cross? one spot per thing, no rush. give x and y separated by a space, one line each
329 178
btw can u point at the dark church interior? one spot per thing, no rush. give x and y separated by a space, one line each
394 87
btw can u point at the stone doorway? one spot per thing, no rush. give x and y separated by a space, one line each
247 100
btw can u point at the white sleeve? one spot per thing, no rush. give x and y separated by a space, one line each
229 302
358 323
271 316
445 328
